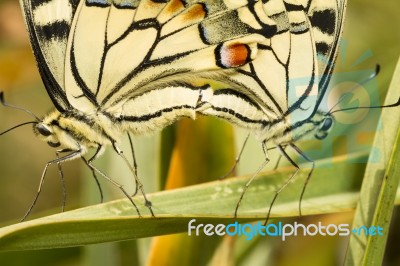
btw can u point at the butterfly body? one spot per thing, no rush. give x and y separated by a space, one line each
283 132
80 131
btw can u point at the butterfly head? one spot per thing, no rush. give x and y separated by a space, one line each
318 125
46 130
46 133
68 131
324 125
53 130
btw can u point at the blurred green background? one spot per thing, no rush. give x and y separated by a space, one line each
371 36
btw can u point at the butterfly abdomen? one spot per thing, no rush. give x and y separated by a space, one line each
245 112
159 108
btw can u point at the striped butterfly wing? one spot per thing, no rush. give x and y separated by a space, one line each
292 69
326 18
148 59
112 66
48 24
135 60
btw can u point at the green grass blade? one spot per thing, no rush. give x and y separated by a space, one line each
379 187
375 248
214 202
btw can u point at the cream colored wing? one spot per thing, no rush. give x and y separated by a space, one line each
48 23
119 50
289 76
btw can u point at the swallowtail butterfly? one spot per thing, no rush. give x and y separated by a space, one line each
113 67
277 95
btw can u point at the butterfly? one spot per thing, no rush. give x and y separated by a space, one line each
114 67
278 94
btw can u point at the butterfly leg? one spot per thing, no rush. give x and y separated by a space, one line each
98 151
70 156
134 165
147 203
283 152
279 160
233 168
61 174
246 186
302 154
95 179
119 186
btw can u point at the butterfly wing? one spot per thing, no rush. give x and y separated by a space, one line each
48 23
166 49
288 77
326 18
117 51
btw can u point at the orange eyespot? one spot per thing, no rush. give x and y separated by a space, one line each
235 55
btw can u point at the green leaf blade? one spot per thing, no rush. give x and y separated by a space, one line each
378 192
212 202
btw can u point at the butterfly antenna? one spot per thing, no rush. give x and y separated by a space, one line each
371 77
16 107
370 107
17 126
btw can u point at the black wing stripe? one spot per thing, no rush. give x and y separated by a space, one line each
157 114
55 91
236 94
79 80
326 75
55 30
121 4
324 20
227 112
36 3
239 116
98 3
